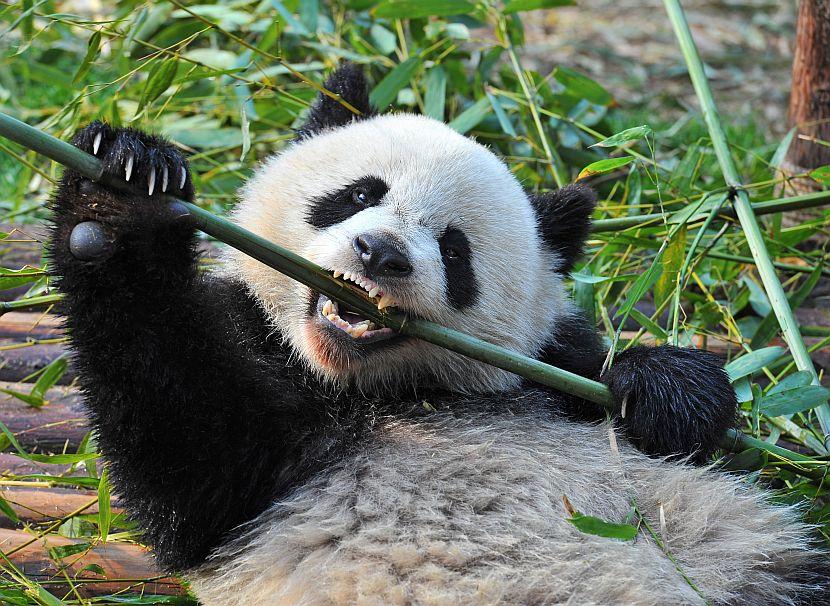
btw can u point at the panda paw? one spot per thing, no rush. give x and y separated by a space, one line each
672 401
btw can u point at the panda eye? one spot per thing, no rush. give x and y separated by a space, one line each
452 253
360 196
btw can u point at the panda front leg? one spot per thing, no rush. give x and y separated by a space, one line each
198 416
672 400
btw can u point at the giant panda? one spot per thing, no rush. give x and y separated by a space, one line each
276 448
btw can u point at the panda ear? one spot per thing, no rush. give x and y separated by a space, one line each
348 81
564 218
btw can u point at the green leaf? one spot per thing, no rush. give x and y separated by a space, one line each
822 175
582 86
643 283
649 324
413 9
601 528
58 553
436 93
92 49
160 78
58 459
514 6
24 397
7 510
752 362
48 377
792 401
385 41
472 116
504 121
797 379
672 260
629 134
387 89
781 150
603 166
104 509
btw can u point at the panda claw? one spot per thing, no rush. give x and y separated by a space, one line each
128 166
164 178
183 177
151 181
96 144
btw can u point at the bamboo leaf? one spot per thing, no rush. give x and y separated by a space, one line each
92 49
629 134
504 121
104 508
387 89
472 116
792 401
413 9
797 379
601 528
582 86
7 510
436 93
752 362
603 166
57 459
48 377
643 283
32 401
649 324
783 147
822 175
514 6
672 260
160 78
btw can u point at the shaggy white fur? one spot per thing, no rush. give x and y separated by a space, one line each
470 511
451 180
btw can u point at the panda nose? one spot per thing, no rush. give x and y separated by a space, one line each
381 258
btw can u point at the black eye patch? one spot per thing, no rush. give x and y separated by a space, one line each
462 287
335 207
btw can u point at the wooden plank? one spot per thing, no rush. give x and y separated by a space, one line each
22 362
58 425
45 504
21 326
126 565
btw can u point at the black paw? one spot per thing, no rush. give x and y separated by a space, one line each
148 163
672 401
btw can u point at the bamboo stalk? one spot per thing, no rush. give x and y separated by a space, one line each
759 208
743 208
315 277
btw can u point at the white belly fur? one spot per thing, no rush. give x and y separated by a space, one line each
471 512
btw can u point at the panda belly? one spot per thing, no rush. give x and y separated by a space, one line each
470 511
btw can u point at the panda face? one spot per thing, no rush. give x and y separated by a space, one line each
424 219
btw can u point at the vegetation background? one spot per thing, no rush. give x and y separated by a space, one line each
597 91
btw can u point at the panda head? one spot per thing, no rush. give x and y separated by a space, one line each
430 220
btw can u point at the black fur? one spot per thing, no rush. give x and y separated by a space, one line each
456 254
349 82
206 419
347 201
668 400
564 218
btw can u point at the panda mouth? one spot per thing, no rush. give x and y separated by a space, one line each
345 323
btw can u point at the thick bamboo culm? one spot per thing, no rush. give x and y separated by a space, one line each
315 277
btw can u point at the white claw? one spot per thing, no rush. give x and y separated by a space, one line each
164 179
97 143
151 182
128 167
183 179
374 291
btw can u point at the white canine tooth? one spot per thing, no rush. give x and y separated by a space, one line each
327 308
128 167
385 301
337 274
333 318
183 178
164 179
374 291
97 143
151 182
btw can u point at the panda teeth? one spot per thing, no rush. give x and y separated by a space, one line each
337 274
329 308
374 291
386 301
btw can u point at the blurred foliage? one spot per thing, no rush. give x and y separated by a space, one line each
228 82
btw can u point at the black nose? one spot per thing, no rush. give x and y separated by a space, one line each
380 257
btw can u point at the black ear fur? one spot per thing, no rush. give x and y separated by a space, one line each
348 81
564 218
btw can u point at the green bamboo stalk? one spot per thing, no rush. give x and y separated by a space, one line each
759 208
802 269
30 303
315 277
743 208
